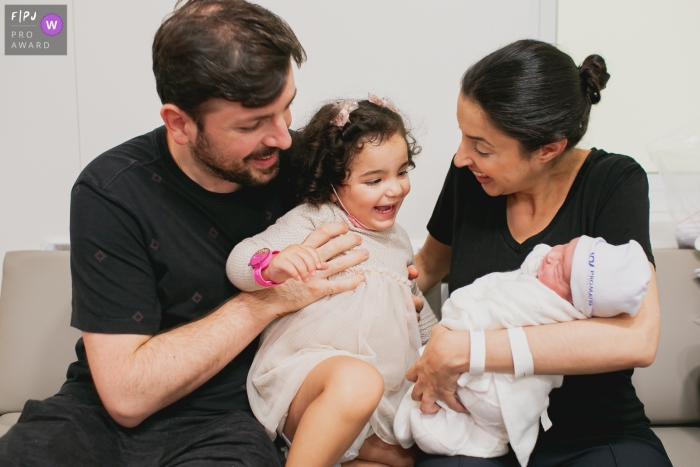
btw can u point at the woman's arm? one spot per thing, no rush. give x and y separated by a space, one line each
426 316
596 345
433 263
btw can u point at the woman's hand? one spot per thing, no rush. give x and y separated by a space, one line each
417 301
446 356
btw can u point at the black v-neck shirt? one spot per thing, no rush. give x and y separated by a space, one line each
609 198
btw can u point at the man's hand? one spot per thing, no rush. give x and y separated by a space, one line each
446 356
329 242
298 262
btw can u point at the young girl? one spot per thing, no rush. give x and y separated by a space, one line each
331 376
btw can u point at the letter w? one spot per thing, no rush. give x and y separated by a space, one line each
51 24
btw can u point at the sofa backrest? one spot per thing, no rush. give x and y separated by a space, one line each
37 343
36 340
670 387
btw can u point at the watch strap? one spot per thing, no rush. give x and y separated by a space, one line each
258 268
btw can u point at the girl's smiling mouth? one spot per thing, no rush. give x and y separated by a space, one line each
387 209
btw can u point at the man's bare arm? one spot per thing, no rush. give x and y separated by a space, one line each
138 375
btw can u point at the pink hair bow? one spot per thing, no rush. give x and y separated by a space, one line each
382 102
346 107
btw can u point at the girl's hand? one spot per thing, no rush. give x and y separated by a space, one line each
445 357
330 242
298 262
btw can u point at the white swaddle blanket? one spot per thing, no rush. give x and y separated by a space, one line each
501 408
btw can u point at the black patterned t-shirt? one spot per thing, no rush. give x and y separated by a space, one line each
148 253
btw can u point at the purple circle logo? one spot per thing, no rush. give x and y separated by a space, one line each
51 24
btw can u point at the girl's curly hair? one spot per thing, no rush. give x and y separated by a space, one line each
322 153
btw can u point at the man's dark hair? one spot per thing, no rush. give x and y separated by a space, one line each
322 153
230 49
535 93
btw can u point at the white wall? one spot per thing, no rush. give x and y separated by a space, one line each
413 52
38 144
652 49
57 113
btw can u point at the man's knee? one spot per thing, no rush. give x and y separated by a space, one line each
56 432
235 439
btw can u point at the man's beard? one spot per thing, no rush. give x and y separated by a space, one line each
210 159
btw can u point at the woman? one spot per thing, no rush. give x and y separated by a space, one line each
518 180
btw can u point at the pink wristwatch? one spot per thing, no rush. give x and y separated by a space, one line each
259 261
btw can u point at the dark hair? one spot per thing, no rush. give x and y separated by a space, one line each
230 49
322 153
535 93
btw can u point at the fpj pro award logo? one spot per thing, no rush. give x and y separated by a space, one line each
36 30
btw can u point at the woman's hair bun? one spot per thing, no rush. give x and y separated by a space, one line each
594 76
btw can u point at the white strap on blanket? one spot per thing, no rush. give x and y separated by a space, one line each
522 358
477 355
546 422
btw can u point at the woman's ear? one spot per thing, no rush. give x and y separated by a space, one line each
549 151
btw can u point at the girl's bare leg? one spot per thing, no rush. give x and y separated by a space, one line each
375 452
334 403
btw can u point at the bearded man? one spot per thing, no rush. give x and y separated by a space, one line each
166 339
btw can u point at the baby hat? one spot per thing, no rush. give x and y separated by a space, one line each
606 279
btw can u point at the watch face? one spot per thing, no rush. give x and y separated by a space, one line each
259 256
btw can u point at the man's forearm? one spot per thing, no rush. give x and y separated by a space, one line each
166 367
138 375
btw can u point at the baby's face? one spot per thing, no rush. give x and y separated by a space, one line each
555 270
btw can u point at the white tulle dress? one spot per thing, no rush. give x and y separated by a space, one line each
375 322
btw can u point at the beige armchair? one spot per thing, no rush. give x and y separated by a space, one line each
36 340
670 387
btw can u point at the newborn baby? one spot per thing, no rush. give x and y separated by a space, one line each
583 278
621 272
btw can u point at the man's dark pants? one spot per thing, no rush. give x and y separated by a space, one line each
63 431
